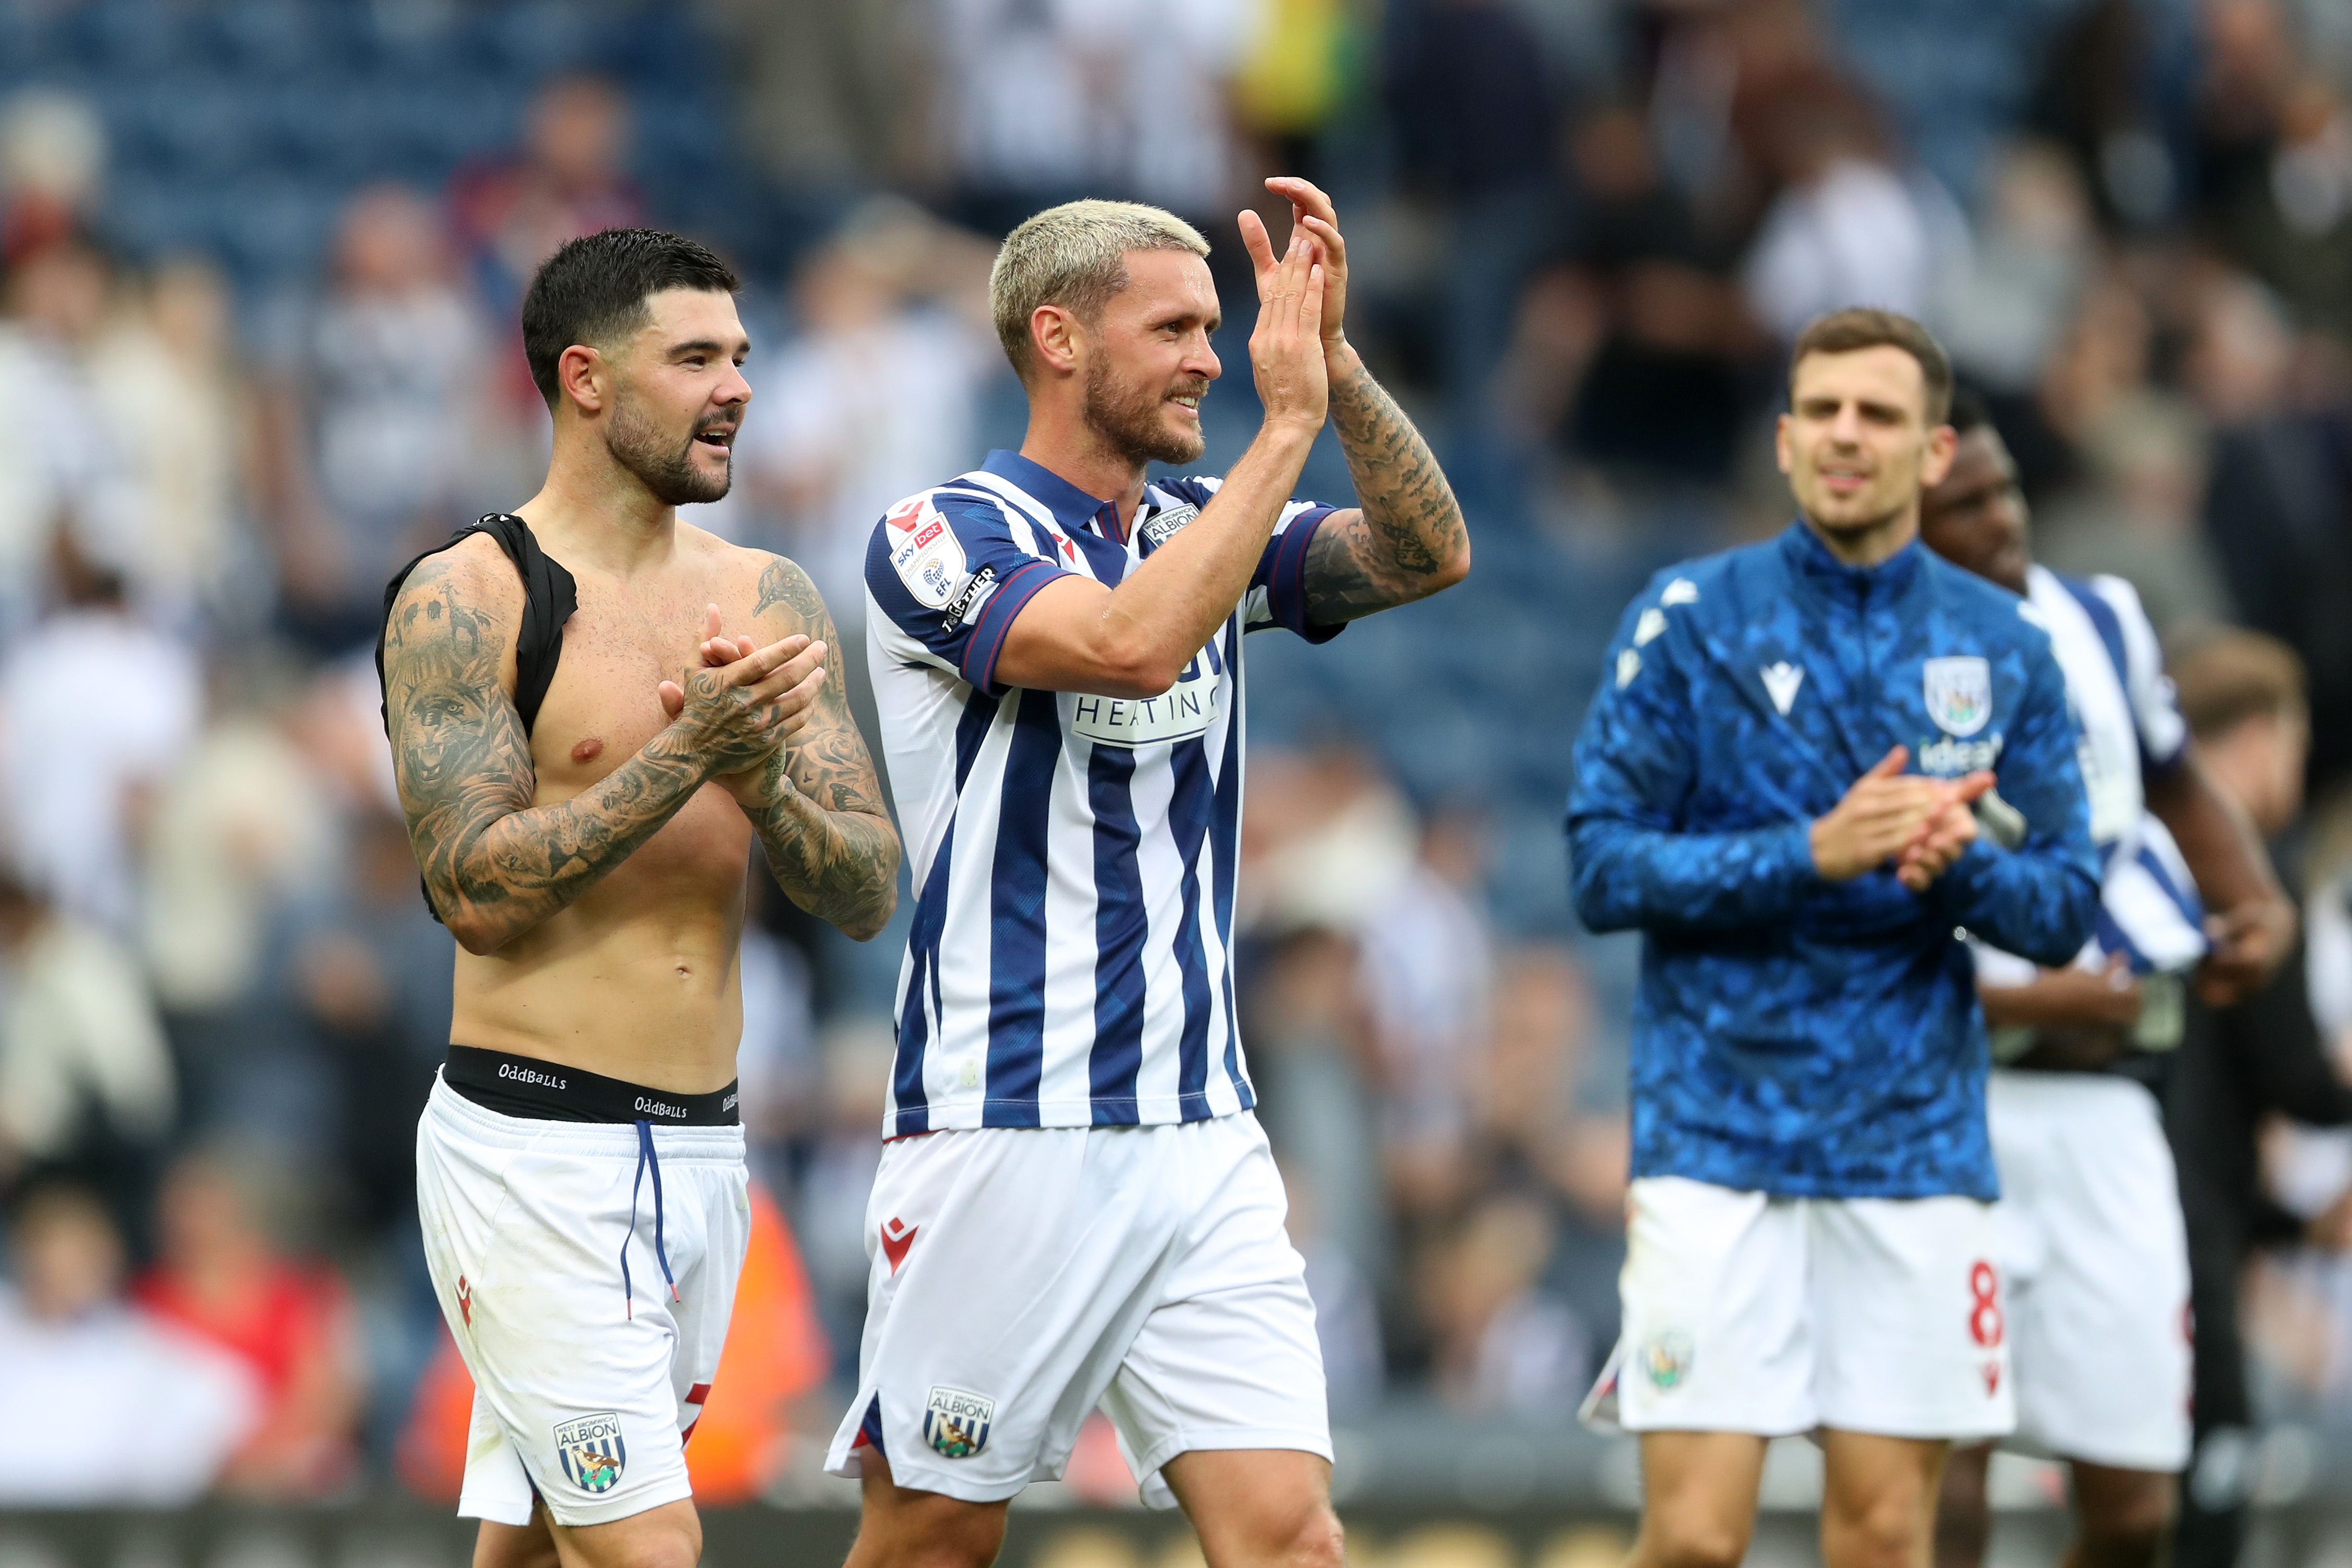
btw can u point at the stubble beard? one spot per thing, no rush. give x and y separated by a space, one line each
666 468
1128 420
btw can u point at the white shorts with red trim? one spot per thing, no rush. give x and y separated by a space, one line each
1023 1275
588 1371
1744 1312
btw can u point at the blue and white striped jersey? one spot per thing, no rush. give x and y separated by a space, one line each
1070 962
2131 729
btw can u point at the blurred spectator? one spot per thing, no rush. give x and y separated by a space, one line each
568 181
79 776
372 970
1502 1344
1553 1125
830 88
376 418
875 399
829 1217
2273 151
52 159
1051 100
107 1406
2241 695
1466 78
1475 130
1311 1062
1346 1305
1652 391
1845 227
243 828
1429 974
2274 506
63 461
2005 310
1296 74
177 407
86 1081
1328 840
223 1277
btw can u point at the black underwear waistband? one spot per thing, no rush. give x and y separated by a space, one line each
544 1091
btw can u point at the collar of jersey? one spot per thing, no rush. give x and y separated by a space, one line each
1072 507
1810 562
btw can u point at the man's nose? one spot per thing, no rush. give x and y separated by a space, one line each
1202 360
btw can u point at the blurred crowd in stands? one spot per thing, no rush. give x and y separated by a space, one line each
1582 231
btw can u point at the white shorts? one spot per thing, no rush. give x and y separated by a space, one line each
2091 1242
1021 1276
584 1389
1744 1312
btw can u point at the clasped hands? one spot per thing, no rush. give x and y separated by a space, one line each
745 702
1919 824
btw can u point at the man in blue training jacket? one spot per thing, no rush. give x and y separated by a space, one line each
1780 785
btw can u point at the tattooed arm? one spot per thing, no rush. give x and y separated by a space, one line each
1406 539
817 803
495 865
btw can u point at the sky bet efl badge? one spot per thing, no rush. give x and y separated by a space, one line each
956 1423
925 552
1959 693
591 1450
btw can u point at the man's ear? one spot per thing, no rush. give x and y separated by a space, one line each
1057 339
584 379
1943 443
1784 450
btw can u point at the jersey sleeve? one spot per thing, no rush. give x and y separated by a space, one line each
1277 589
2156 711
2040 900
1629 865
948 573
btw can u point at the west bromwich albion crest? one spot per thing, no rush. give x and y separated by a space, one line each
591 1450
1958 692
956 1423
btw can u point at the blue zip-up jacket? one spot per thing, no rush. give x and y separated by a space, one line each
1794 1035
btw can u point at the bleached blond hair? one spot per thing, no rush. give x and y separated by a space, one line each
1074 255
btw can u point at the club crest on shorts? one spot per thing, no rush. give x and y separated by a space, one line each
956 1423
591 1450
1958 692
1666 1358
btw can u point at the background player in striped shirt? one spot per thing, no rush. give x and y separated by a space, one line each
1077 1205
2089 1225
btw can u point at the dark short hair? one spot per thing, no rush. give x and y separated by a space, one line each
1850 331
593 290
2230 676
1968 412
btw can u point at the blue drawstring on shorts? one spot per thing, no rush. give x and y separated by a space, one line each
646 1156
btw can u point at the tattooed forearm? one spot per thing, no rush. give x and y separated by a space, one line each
495 867
1409 539
820 818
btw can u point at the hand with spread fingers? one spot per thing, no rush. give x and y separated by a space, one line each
1286 350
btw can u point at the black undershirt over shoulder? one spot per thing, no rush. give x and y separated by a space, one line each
549 597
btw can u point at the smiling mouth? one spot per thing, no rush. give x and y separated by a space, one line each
724 440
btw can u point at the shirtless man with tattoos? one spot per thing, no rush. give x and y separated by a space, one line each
595 710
